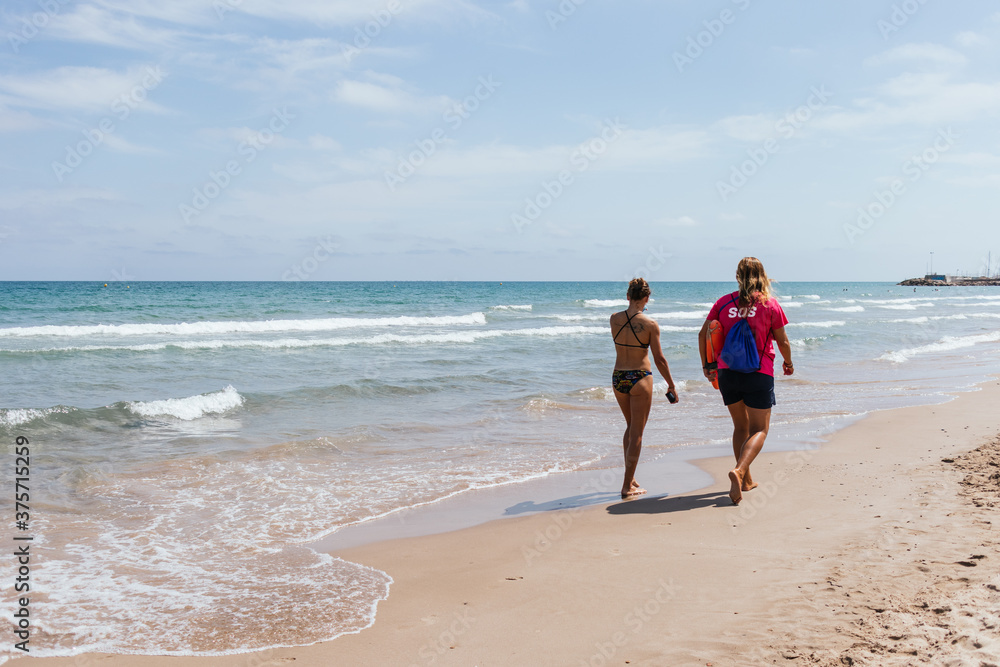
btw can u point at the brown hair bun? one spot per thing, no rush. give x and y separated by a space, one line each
638 289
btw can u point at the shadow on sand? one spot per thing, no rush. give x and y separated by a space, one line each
561 503
665 504
643 505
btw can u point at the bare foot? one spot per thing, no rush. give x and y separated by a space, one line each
736 481
748 483
635 485
634 492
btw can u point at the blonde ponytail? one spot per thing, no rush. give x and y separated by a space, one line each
755 286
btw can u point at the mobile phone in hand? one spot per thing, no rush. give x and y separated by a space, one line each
672 397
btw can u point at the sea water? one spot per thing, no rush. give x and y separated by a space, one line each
188 439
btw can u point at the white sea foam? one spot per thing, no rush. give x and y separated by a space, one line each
946 344
681 315
847 309
988 297
962 300
907 306
258 326
822 325
192 407
963 316
524 307
579 318
810 341
605 303
381 339
980 304
19 416
790 304
895 301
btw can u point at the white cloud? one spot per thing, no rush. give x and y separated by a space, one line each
922 99
971 39
487 165
120 145
323 143
390 98
657 145
918 53
190 12
320 12
18 121
682 221
55 197
302 55
99 25
231 137
748 128
354 184
90 89
983 181
987 160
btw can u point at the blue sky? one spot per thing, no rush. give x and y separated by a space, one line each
461 140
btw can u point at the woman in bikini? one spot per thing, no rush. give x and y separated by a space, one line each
749 396
634 335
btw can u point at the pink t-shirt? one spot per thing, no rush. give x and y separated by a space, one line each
763 319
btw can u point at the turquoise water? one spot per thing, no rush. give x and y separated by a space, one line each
189 438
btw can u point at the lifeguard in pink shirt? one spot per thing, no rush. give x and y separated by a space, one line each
749 396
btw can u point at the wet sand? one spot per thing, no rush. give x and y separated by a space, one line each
879 548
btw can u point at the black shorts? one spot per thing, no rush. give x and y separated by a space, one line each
756 390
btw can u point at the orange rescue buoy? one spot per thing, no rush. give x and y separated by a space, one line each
713 346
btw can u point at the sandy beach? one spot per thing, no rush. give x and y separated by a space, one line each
878 548
329 332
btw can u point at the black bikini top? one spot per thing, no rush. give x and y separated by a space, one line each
628 323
